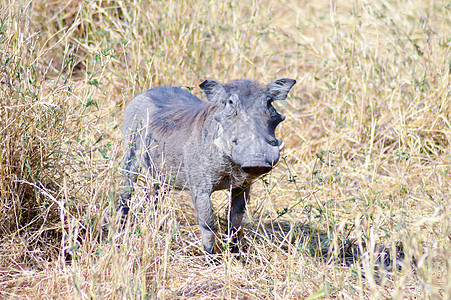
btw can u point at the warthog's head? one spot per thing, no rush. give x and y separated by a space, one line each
248 121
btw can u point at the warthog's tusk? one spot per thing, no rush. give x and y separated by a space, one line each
281 145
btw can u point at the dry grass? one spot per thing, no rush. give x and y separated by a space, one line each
359 206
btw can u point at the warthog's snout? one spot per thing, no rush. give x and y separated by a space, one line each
260 165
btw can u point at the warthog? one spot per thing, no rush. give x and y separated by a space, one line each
224 143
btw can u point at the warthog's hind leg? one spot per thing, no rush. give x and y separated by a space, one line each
130 170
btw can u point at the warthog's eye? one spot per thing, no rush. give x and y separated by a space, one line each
232 100
230 108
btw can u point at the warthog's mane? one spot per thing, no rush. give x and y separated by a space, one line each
178 111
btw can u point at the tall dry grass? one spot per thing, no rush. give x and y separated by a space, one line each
358 207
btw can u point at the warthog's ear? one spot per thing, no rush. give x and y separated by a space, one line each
279 89
214 90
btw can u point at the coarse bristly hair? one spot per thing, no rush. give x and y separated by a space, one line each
178 111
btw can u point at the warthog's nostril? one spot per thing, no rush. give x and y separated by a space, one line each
273 142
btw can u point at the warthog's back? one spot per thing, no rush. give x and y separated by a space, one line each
164 110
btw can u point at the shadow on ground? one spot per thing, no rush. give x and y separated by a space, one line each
328 248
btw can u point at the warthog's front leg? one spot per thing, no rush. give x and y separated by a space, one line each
204 212
236 213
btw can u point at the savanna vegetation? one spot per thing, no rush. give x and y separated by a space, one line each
358 207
